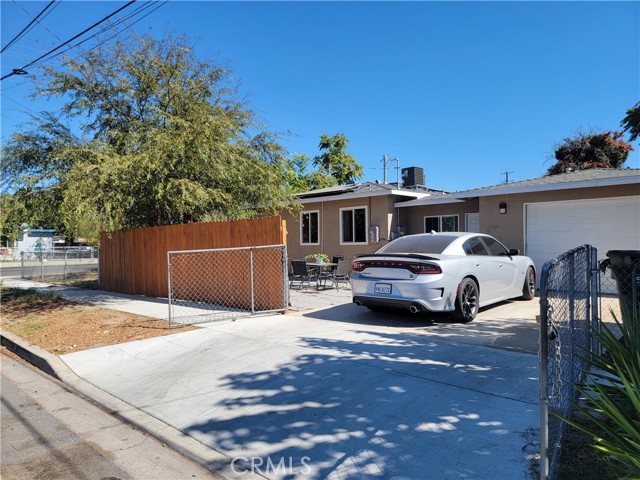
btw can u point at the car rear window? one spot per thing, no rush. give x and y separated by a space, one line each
418 244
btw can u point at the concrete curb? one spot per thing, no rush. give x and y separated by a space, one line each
192 449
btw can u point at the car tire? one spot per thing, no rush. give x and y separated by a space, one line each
529 287
467 301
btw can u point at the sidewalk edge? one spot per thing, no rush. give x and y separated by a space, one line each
182 443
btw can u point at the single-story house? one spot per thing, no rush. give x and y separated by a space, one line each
348 219
542 217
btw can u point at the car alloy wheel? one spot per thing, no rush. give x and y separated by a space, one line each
529 287
467 301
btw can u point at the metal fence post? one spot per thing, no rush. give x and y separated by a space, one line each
253 296
571 331
544 381
595 300
169 284
285 277
22 265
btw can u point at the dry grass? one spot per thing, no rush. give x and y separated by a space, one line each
61 326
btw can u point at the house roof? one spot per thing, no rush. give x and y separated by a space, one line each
360 190
435 198
597 177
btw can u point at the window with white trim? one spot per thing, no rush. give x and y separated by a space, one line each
441 223
353 225
310 228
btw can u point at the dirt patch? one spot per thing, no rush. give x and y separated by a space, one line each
579 460
61 326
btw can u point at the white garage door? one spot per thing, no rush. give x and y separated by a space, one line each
608 224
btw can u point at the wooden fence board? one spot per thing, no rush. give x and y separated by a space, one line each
135 261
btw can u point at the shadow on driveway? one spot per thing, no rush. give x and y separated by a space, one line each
507 325
381 405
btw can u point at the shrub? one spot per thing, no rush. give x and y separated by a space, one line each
611 398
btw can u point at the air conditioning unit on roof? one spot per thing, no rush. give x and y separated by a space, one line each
413 177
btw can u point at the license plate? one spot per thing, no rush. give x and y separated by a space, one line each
382 288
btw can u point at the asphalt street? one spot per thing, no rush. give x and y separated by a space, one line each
49 432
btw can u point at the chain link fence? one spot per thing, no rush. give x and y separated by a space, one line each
568 309
619 285
68 265
577 294
227 283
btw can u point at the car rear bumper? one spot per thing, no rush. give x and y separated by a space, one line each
413 306
425 297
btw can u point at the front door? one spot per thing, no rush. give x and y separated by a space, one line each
472 222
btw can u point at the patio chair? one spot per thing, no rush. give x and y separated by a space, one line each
299 273
342 273
330 274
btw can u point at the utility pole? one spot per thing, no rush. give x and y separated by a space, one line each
506 176
385 160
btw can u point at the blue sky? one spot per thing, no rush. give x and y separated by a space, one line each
465 90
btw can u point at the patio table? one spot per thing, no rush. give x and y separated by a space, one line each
318 268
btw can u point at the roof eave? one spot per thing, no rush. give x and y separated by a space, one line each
362 194
603 182
427 201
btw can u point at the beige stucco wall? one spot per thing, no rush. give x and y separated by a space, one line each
380 212
509 228
412 218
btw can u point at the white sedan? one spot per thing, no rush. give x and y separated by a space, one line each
442 272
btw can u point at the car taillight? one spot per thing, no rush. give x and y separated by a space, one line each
425 269
357 266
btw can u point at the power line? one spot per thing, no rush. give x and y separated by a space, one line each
22 71
133 14
24 30
118 22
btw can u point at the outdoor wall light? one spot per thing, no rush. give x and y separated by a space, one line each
503 208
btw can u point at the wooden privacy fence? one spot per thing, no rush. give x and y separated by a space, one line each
135 261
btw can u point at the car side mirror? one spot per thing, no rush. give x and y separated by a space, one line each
513 252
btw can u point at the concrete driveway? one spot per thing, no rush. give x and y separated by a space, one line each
343 393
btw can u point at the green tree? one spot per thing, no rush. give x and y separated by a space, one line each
12 215
33 176
165 140
335 162
592 150
631 123
295 173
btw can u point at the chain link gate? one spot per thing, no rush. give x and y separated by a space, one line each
226 283
577 295
568 311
